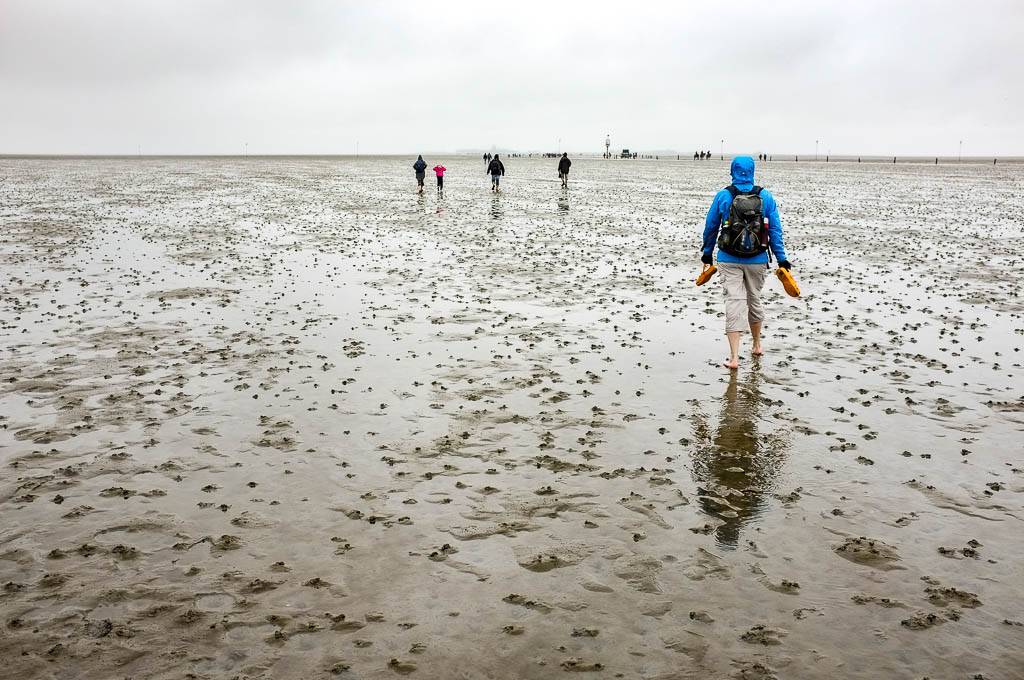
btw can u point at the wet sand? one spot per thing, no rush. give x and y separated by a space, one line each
287 419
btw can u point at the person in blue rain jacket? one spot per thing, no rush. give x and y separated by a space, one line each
742 277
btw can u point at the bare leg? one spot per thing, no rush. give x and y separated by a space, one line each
755 334
734 350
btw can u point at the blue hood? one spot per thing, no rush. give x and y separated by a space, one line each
743 172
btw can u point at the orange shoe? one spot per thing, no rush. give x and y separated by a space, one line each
788 282
706 274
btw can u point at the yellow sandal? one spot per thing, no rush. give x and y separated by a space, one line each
788 282
706 274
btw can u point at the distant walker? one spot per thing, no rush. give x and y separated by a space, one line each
563 169
496 169
420 166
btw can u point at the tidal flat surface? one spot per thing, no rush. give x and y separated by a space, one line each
284 418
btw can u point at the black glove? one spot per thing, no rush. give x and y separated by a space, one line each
706 258
785 265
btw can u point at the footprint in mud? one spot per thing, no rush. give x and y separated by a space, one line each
215 602
258 585
763 635
689 643
401 667
78 511
784 586
251 520
753 670
516 599
705 565
880 601
554 557
341 623
922 620
98 629
190 616
227 542
53 580
804 612
596 587
868 552
942 597
574 664
640 572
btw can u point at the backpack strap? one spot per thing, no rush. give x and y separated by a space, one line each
756 191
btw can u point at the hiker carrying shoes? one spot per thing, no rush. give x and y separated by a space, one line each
736 225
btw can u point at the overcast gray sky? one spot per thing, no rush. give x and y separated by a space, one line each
208 76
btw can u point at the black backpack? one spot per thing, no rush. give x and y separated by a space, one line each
744 233
495 167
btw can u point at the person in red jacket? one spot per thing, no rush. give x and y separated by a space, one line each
439 171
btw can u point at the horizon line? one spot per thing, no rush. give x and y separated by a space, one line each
598 155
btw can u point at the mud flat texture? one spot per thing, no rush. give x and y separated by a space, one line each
283 418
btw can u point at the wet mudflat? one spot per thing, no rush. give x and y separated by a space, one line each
286 419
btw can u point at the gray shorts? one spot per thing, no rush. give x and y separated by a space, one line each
742 285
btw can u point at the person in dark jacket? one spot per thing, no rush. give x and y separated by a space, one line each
742 277
563 169
496 169
420 166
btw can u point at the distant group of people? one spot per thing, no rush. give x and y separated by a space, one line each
495 168
706 156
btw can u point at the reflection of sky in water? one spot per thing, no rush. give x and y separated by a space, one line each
736 464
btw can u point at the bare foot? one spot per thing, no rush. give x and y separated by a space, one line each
757 350
731 363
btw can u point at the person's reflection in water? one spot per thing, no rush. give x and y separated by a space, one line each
563 204
496 209
736 465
